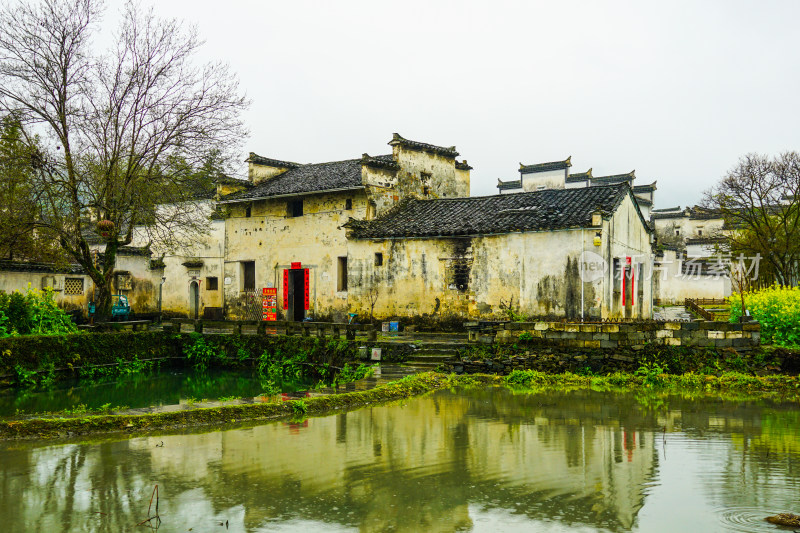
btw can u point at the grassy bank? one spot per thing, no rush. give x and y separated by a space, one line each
50 428
728 385
653 379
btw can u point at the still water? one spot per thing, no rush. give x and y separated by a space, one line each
487 459
159 388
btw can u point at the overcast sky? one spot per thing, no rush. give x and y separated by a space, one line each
676 90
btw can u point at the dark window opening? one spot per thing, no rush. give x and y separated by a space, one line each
677 233
699 232
295 208
248 275
460 279
348 204
425 190
212 284
378 259
248 211
341 278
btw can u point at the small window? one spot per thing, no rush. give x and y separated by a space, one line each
73 286
123 281
378 259
426 190
295 208
459 275
212 284
699 232
248 275
341 278
677 233
348 204
248 211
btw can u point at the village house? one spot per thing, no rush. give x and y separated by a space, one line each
556 175
574 253
285 230
398 235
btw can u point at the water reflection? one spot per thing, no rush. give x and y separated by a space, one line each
474 460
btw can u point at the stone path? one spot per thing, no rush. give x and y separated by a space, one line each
671 313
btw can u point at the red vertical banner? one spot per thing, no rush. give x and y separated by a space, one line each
286 288
305 288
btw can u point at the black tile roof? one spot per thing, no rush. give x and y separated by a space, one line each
580 176
463 165
304 179
509 185
645 188
380 161
663 210
706 240
543 167
447 151
616 178
548 209
261 160
47 268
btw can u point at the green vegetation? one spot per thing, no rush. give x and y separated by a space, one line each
32 313
321 405
777 308
649 377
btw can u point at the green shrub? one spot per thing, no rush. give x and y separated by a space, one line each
777 308
33 313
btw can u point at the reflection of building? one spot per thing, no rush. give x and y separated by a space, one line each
419 466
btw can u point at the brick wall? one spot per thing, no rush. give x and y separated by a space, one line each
742 336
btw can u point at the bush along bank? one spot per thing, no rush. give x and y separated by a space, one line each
226 414
41 360
504 359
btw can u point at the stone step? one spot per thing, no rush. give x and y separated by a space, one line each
429 358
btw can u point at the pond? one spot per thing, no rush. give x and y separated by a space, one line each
483 459
159 388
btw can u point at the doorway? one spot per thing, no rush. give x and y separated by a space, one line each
194 300
297 294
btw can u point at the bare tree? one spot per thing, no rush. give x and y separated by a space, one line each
760 202
118 127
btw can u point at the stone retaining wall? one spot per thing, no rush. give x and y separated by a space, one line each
740 336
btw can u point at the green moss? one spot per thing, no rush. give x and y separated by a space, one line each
49 428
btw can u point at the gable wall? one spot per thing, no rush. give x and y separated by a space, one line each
273 241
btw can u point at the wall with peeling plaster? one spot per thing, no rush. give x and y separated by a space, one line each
274 240
535 273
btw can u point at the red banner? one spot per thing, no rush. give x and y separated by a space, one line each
305 288
286 288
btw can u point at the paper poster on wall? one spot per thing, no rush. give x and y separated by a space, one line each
269 304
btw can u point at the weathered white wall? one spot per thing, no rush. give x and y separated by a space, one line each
273 241
551 179
624 235
11 281
673 287
445 180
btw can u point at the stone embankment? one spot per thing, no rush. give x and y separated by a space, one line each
634 335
